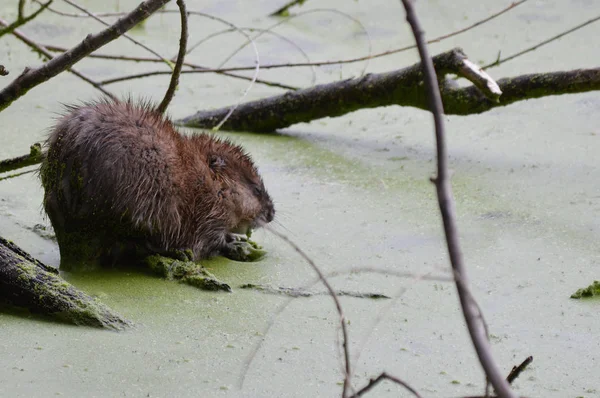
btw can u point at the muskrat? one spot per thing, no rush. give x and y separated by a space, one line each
118 175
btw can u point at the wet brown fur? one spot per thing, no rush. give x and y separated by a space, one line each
118 172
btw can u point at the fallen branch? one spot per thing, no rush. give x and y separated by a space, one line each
403 87
26 282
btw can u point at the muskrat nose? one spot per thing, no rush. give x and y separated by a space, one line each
270 213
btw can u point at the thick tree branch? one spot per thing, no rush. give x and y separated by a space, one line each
403 87
26 282
32 77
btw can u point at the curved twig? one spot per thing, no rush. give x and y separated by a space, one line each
329 10
338 306
180 58
446 203
125 35
278 35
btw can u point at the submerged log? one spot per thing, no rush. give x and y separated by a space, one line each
27 282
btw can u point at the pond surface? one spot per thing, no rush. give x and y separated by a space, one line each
352 192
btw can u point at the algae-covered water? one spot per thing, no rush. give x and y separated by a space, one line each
352 192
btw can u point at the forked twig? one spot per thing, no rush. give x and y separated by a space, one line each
446 204
381 377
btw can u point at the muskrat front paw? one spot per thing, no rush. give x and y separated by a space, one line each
180 254
240 248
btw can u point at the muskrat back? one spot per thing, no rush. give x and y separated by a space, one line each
118 175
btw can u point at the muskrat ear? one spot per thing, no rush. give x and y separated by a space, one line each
216 162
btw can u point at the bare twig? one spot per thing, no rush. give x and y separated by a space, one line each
32 77
280 36
200 68
338 306
125 35
446 203
21 20
336 62
284 10
381 377
543 43
44 52
8 177
318 10
311 284
516 370
180 58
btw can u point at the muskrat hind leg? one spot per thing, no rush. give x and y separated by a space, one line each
240 248
78 252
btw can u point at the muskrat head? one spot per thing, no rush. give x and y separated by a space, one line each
240 188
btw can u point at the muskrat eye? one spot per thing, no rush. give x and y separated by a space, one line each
220 193
257 191
216 162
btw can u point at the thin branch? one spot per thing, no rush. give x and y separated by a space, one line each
32 77
516 370
312 283
338 305
278 35
23 20
318 10
200 68
337 62
180 58
446 203
543 43
47 54
125 35
381 377
8 177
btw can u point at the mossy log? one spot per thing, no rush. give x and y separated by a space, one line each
28 283
402 87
